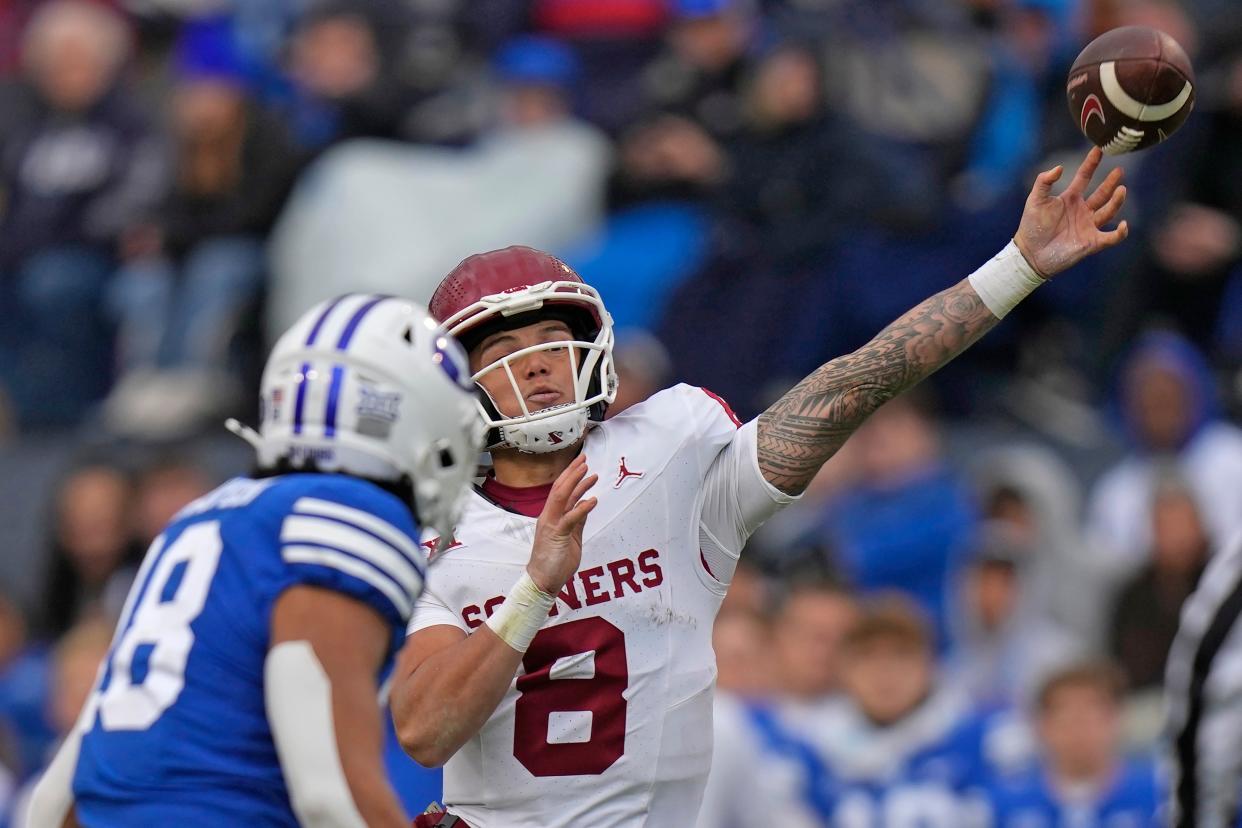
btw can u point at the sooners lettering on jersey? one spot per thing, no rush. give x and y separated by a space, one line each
608 721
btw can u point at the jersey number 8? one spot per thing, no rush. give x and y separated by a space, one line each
147 670
544 694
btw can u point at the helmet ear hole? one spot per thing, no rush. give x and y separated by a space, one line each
408 335
446 458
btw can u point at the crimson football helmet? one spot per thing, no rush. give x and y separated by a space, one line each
514 287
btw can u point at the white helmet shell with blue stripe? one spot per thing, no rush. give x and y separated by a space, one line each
372 386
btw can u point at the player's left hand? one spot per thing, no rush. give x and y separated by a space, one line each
1057 232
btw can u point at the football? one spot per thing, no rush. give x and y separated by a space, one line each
1131 88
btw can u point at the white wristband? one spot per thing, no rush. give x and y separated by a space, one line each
523 613
1005 280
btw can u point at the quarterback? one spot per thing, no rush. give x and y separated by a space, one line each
562 667
241 685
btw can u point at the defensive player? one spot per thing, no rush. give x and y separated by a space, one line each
241 686
565 678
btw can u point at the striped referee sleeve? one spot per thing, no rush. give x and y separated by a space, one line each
1204 692
355 551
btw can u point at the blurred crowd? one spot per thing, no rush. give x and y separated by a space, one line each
988 576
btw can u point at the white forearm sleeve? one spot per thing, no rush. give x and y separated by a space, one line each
298 695
52 798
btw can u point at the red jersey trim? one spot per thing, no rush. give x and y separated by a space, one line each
707 568
736 422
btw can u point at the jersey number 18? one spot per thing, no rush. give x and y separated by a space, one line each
147 667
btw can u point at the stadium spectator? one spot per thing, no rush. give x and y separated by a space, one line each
341 91
1025 38
1199 247
1083 779
91 554
1003 642
537 77
701 74
615 41
743 763
813 619
80 165
667 157
75 666
25 733
1146 615
899 742
161 490
801 177
747 675
745 661
907 521
1170 410
194 271
1032 493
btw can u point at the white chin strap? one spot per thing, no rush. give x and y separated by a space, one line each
547 434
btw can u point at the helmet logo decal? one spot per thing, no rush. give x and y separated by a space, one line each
278 399
377 411
556 438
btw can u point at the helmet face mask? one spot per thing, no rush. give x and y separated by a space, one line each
511 288
558 426
372 387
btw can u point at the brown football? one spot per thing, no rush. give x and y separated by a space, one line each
1130 88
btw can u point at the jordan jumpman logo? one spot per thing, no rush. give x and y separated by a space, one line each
625 474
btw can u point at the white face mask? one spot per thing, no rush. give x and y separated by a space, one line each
559 431
595 379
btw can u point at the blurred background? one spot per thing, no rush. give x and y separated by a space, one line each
755 186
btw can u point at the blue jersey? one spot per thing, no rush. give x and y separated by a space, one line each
177 733
936 785
1131 801
929 771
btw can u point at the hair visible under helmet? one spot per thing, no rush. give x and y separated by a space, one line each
518 286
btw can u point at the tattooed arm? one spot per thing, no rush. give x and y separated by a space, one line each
809 424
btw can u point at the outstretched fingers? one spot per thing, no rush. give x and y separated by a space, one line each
1045 180
566 483
580 506
1110 238
1086 170
567 506
1105 191
576 517
584 485
1106 213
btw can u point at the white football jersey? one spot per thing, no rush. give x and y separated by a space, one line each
609 719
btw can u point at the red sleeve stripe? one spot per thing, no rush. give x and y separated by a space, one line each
725 406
